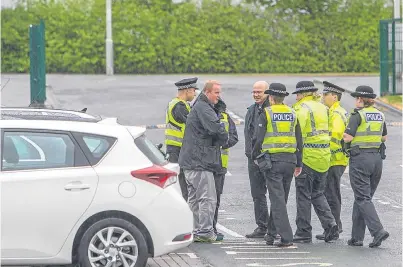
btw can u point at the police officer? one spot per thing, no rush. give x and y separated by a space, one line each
365 134
338 160
275 151
176 115
219 176
310 183
256 177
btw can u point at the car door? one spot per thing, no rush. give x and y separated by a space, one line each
46 185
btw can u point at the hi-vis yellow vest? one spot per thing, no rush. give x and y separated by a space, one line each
280 130
337 126
174 130
225 152
369 133
313 119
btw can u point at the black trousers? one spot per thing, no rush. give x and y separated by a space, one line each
310 187
365 174
219 179
173 158
278 180
332 191
258 190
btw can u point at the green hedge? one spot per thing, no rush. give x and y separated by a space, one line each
157 36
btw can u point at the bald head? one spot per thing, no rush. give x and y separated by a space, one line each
258 91
261 84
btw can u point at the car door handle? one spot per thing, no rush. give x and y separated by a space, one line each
76 186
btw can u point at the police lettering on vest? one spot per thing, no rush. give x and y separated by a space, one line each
283 117
373 117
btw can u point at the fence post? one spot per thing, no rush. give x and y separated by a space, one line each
384 64
37 64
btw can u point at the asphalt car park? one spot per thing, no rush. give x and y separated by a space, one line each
142 100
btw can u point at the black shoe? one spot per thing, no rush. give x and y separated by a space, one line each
320 237
381 236
302 239
221 235
283 244
269 239
354 243
331 233
257 233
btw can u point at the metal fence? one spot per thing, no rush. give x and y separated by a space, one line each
391 56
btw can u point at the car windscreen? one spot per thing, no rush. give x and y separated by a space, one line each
150 150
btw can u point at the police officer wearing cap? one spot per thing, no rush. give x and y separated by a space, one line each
276 153
310 181
338 160
365 136
176 115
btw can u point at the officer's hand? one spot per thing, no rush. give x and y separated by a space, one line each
297 171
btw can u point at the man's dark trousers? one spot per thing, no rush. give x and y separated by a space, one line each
278 180
310 187
332 191
173 158
258 191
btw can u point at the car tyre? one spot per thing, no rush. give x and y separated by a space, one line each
113 240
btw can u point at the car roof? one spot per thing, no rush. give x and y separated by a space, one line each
47 114
64 120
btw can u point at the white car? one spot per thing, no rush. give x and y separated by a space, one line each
91 192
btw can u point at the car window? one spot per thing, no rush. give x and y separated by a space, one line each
26 148
37 150
150 150
94 146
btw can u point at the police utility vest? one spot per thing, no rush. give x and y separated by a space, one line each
174 131
369 132
314 121
280 130
337 126
225 152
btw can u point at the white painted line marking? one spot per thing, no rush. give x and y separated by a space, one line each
260 247
228 231
191 255
262 252
401 166
221 211
320 264
384 202
396 207
230 219
312 258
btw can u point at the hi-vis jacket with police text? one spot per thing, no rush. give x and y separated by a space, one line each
337 126
174 130
314 122
369 132
279 134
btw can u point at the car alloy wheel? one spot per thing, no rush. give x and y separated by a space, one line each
113 247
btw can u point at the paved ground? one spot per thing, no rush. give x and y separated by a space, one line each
141 100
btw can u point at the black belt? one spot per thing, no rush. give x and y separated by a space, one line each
369 150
